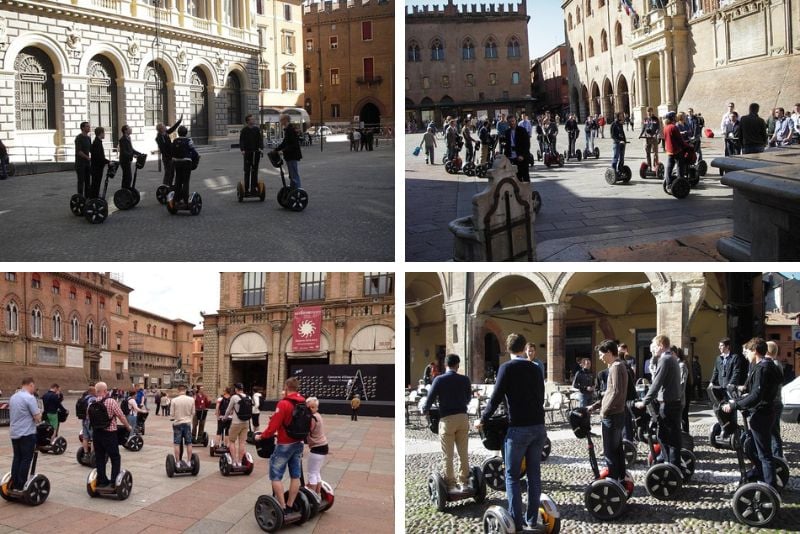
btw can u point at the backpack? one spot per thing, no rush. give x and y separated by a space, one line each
244 409
126 408
631 393
651 127
98 415
81 406
300 425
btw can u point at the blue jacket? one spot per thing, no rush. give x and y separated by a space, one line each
521 385
453 392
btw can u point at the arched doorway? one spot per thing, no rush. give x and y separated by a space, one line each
249 353
595 102
370 115
623 97
35 90
426 111
425 323
575 103
198 107
584 103
491 352
103 96
155 95
608 99
447 107
653 96
233 88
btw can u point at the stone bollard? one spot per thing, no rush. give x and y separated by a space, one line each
501 225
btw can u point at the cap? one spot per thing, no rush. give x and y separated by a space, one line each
238 385
671 115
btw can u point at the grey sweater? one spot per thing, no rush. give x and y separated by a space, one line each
666 380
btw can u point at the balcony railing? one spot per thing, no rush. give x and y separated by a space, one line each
374 80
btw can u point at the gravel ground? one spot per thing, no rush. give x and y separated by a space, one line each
702 506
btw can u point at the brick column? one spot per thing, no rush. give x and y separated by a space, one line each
210 356
224 359
273 378
556 334
338 354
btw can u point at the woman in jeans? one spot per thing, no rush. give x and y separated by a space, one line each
317 444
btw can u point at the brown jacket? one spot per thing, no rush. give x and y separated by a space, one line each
616 391
355 403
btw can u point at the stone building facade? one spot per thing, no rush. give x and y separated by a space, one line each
69 328
466 59
156 345
688 54
196 366
782 327
549 77
280 28
349 62
116 62
567 314
249 339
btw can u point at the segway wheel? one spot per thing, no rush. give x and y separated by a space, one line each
605 499
712 435
781 472
297 200
4 482
123 199
79 455
161 194
224 466
702 167
548 512
480 171
96 211
630 452
660 171
170 466
172 205
91 483
326 492
596 153
611 176
662 481
59 445
494 473
688 461
195 464
643 170
477 481
450 168
205 439
539 155
314 500
537 201
496 520
125 486
756 504
76 204
250 466
240 192
579 155
693 177
437 492
137 197
680 188
37 490
136 443
687 441
282 193
262 191
196 204
560 160
547 161
302 505
626 174
546 448
269 515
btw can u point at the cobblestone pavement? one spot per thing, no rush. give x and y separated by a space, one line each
582 217
350 214
702 507
360 468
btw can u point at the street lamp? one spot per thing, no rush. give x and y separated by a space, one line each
319 59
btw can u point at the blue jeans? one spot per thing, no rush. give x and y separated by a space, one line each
619 157
23 456
612 426
284 455
589 140
294 174
584 399
524 442
184 430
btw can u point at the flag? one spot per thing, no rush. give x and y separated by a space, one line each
628 5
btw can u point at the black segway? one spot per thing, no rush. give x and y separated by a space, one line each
227 468
219 449
493 435
242 193
132 441
176 467
84 458
33 493
572 152
120 490
271 518
127 198
605 498
195 202
623 175
591 153
45 441
291 198
96 209
200 436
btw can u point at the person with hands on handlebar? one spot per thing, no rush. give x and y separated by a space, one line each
612 407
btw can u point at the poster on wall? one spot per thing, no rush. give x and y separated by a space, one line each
306 329
341 382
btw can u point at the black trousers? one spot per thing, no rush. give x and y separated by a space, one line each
183 172
127 176
251 160
97 179
354 415
23 456
106 447
669 431
84 172
523 174
169 170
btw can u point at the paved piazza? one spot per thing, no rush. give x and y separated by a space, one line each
360 468
350 214
702 507
582 217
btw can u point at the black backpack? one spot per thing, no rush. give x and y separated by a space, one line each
126 408
98 415
81 406
300 425
631 393
245 407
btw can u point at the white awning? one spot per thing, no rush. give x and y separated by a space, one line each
373 344
324 347
248 346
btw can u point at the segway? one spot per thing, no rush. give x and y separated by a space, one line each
605 498
219 449
271 518
33 493
120 490
482 170
550 156
242 193
127 198
291 198
200 437
45 441
132 441
591 153
227 468
646 171
195 201
663 480
176 467
96 209
571 152
497 520
453 166
619 175
493 435
84 458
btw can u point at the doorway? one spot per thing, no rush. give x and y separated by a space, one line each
250 373
491 349
370 115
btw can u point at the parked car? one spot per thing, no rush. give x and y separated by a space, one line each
324 131
790 396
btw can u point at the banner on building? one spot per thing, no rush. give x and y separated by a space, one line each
342 382
306 329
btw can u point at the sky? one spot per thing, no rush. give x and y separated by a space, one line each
173 293
545 29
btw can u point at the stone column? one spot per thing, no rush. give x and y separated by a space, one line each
455 332
338 355
181 12
273 378
556 334
223 358
670 78
218 15
676 304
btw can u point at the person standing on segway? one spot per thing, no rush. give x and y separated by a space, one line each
251 144
571 126
453 392
126 155
290 146
83 149
182 415
521 385
618 136
612 406
51 405
674 146
106 444
98 162
240 410
517 148
651 129
730 371
201 404
185 159
24 415
88 397
667 385
761 387
165 148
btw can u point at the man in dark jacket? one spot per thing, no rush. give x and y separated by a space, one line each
754 131
99 161
290 146
126 155
517 148
165 148
618 136
730 371
584 383
83 148
251 143
186 158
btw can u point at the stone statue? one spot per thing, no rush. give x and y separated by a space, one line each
181 55
133 47
73 39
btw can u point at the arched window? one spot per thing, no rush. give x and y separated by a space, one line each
603 41
90 332
56 287
34 104
580 51
12 318
36 281
234 88
578 16
490 50
155 95
515 78
75 330
57 326
467 49
513 47
36 322
618 34
414 54
569 21
590 47
437 50
103 95
104 336
588 8
135 326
